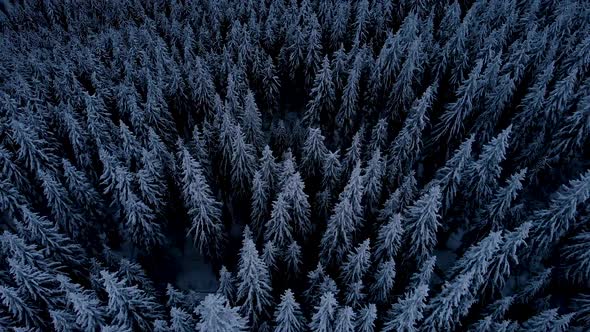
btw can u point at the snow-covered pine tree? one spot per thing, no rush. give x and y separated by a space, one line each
288 316
323 319
216 315
422 219
203 209
254 287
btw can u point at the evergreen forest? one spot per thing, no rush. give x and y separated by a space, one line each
295 165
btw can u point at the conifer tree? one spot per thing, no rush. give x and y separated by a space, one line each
259 203
216 315
331 170
299 207
242 162
324 314
314 152
374 173
422 219
357 263
203 209
288 316
227 286
406 147
445 309
548 320
578 257
345 320
389 238
348 108
251 121
468 94
354 294
399 199
498 207
129 305
379 136
279 229
499 268
268 168
365 320
450 176
384 281
253 284
552 223
181 320
323 95
18 308
407 313
483 173
293 258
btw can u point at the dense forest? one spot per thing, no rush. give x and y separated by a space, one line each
333 165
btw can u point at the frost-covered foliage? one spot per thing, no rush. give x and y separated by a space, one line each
294 165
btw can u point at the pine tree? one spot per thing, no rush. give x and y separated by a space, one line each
365 321
422 219
324 315
337 239
354 294
331 170
62 208
389 238
42 231
181 321
288 316
384 281
379 136
445 309
268 168
297 200
408 312
62 321
35 283
313 153
259 203
18 308
552 223
251 121
401 198
485 171
242 162
468 95
578 257
293 258
227 286
89 313
323 95
424 274
253 283
450 176
216 315
129 305
348 108
357 263
410 74
204 210
374 173
345 320
534 286
279 229
406 147
548 320
496 210
499 267
353 153
270 254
